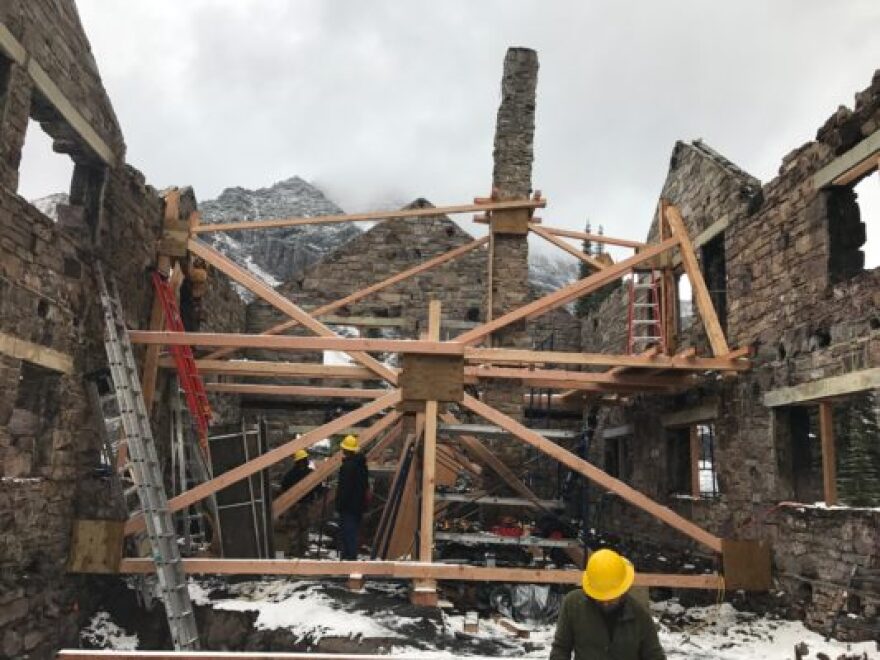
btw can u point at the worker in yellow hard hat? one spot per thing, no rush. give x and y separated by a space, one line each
352 496
299 514
602 621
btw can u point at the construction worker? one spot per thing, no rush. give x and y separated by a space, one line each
351 496
298 516
602 621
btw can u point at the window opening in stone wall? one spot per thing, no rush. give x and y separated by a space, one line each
5 67
846 211
678 461
806 453
868 199
44 176
857 449
708 466
714 266
857 444
618 458
684 296
34 417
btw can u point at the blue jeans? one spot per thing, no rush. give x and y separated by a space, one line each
349 527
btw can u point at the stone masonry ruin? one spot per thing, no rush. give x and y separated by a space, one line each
738 453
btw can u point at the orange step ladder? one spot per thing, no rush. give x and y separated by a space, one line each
187 371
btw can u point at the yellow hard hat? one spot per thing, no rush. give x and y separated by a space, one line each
350 443
608 575
300 454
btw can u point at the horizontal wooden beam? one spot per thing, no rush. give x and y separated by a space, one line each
851 383
37 354
366 321
498 501
566 294
287 343
352 298
371 216
286 450
600 388
256 389
594 474
269 369
593 238
537 375
519 356
408 570
489 429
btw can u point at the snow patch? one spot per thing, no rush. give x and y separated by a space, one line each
301 608
102 633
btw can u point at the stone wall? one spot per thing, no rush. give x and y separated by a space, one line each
388 249
50 473
797 294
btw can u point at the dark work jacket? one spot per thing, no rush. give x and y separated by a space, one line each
299 471
354 481
582 629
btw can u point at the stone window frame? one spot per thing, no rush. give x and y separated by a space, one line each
690 420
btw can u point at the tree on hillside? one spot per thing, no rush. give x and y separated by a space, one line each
592 302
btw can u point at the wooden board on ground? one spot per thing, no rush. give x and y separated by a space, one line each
96 546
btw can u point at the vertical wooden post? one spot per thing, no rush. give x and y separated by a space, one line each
669 306
695 461
425 591
829 456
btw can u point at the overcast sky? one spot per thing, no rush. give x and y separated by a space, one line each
386 101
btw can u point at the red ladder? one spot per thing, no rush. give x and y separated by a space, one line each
187 371
645 315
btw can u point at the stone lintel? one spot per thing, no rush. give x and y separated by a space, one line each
856 381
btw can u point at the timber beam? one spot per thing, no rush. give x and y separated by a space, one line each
373 216
271 369
408 570
731 362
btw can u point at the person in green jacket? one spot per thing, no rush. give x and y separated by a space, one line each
603 622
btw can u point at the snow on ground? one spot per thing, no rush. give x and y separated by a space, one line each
717 632
300 608
101 632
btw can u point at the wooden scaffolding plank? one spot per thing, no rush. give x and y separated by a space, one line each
371 216
566 294
271 296
593 473
203 490
698 283
369 290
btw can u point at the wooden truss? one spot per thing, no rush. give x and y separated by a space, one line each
432 379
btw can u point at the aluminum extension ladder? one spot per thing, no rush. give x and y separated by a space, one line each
144 464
